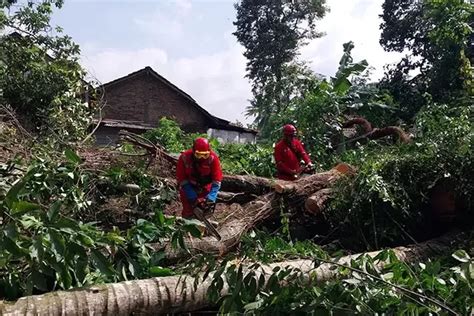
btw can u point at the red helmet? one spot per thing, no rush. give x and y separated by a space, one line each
201 148
201 144
289 130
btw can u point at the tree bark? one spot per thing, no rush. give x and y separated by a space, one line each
246 184
235 220
316 203
307 185
177 293
233 223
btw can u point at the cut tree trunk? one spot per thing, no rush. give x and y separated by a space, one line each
178 294
312 183
233 223
246 184
316 203
235 220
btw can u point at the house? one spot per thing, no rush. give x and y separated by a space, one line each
137 101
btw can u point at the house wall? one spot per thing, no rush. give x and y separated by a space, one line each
109 136
225 136
144 98
105 136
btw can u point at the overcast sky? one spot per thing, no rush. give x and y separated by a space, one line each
190 42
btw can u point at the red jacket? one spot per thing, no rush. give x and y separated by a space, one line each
287 160
200 173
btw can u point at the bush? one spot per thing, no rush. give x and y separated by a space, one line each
235 158
386 203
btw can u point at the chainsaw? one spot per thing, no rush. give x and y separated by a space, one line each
304 172
200 211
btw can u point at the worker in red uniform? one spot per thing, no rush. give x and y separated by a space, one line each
199 176
289 155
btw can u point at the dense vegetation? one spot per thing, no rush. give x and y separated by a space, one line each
57 230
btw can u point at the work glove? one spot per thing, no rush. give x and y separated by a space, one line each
309 168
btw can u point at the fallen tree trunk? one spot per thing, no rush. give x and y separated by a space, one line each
247 184
239 219
178 294
236 221
312 183
377 133
316 203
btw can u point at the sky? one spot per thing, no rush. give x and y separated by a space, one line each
190 43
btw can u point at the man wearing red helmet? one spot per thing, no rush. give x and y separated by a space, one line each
288 153
199 176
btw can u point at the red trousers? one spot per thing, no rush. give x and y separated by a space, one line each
187 206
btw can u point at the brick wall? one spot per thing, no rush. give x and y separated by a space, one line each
144 98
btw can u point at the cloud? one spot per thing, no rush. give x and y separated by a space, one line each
110 64
167 20
184 5
349 20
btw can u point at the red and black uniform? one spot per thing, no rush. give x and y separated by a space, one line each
288 154
197 179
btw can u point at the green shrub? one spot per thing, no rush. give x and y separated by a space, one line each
385 201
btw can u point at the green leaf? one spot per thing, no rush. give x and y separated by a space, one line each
22 207
101 263
54 210
253 305
11 230
80 269
59 245
161 218
461 255
39 280
352 281
72 156
77 249
342 85
158 271
12 194
65 277
37 249
13 248
29 221
131 268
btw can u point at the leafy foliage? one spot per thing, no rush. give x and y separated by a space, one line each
436 35
40 77
168 134
437 285
247 159
45 245
235 158
387 202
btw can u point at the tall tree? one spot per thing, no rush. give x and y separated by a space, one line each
40 76
271 32
436 34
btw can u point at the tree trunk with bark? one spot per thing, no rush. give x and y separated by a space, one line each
247 184
316 203
235 220
175 294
